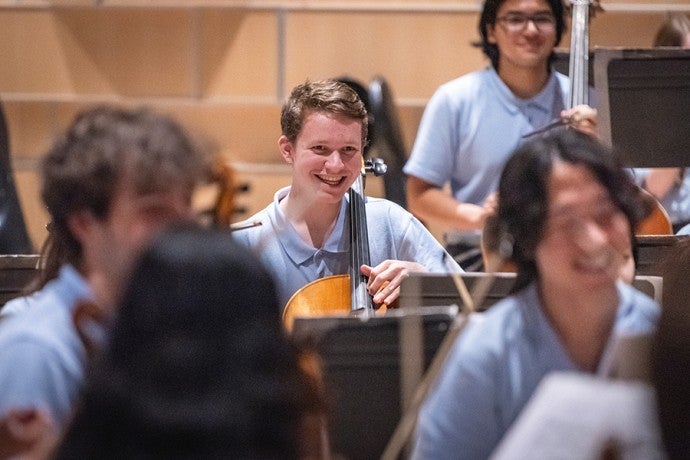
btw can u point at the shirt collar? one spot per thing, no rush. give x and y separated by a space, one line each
293 245
539 329
544 100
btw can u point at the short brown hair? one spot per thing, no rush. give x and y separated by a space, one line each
329 96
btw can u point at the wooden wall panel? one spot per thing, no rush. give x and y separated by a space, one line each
415 52
125 52
32 52
128 52
246 133
222 67
31 126
239 53
625 29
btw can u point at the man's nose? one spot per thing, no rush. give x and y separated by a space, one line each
334 160
590 237
531 26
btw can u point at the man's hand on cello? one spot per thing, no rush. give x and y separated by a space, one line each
386 277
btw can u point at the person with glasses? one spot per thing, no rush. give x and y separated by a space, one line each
473 123
571 224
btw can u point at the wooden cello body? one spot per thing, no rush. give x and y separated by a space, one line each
345 293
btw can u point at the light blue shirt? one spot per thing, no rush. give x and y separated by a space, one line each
393 234
496 365
42 358
472 125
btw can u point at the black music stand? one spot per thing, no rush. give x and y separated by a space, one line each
362 370
654 250
643 98
436 289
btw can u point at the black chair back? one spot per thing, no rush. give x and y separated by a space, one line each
389 143
14 238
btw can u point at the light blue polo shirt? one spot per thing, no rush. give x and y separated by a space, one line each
472 125
42 358
393 234
495 366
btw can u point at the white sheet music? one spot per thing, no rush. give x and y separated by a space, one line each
574 416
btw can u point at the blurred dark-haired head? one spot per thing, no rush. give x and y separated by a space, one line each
197 363
523 197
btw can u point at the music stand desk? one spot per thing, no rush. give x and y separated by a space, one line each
643 100
363 369
434 289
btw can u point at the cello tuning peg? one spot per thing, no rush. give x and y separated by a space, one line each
378 166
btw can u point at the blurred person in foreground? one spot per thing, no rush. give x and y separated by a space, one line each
111 182
197 364
568 209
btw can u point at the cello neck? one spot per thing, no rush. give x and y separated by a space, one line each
359 237
359 247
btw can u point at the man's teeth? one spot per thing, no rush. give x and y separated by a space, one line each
331 180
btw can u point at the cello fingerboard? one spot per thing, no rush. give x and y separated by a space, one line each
359 248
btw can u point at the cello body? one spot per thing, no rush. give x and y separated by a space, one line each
322 297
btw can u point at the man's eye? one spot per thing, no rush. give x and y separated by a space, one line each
515 20
545 19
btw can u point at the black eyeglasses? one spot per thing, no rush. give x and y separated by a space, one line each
516 22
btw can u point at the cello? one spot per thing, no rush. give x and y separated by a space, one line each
345 293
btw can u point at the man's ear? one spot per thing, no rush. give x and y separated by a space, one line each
80 224
286 149
490 34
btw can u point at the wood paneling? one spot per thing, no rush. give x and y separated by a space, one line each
416 53
222 67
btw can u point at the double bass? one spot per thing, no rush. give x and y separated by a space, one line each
341 294
657 221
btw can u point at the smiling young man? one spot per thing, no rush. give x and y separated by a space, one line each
473 123
304 234
569 208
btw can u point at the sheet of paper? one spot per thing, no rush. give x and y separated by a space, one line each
575 416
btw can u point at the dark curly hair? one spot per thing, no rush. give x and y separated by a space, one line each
101 147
